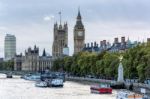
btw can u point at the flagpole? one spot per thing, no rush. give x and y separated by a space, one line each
60 17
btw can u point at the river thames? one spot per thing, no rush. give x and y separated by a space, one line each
17 88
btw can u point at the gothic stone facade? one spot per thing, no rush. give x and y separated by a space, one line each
60 39
32 61
79 35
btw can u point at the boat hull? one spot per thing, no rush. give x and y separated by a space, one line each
56 83
125 94
101 90
41 84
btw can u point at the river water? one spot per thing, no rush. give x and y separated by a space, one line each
17 88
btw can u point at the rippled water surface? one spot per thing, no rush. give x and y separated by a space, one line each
17 88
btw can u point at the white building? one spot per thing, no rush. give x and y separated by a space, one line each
10 46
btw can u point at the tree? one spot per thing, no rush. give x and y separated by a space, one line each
136 63
58 64
7 65
67 63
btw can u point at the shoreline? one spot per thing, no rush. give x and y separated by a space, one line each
83 82
88 80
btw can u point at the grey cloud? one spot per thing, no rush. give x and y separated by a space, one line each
105 10
102 19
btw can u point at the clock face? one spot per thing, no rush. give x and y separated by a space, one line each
80 33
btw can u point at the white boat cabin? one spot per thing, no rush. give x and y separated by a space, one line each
128 95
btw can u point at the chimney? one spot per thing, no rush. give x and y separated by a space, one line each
104 42
91 44
122 39
101 43
95 44
148 40
116 40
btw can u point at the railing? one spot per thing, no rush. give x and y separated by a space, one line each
142 85
91 79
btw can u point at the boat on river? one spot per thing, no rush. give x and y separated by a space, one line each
53 75
9 75
41 84
32 77
124 94
56 82
101 89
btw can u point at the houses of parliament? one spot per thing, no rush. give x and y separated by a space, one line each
61 37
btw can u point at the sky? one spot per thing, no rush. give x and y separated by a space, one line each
31 21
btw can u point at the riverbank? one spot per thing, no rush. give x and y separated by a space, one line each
16 72
88 80
137 87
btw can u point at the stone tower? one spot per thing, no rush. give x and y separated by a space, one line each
79 34
60 39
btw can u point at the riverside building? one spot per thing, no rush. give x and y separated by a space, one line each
10 46
117 46
32 61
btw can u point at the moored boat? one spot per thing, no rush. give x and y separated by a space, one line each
124 94
36 77
41 84
32 77
56 83
117 85
9 75
101 89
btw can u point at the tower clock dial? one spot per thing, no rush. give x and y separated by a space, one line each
80 33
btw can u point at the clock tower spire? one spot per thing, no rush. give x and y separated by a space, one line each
79 34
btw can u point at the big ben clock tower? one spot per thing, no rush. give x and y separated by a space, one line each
79 34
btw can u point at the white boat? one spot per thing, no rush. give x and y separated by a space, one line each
41 84
124 94
57 83
9 75
32 77
35 77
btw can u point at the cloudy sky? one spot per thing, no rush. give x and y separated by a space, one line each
31 21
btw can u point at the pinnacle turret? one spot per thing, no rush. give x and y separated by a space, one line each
44 53
79 15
